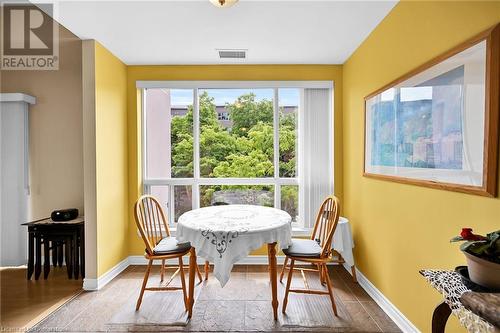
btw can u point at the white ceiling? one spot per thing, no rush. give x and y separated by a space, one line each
189 32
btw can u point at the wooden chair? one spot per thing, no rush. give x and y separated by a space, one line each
316 251
155 233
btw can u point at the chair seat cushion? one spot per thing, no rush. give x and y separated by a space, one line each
169 245
303 248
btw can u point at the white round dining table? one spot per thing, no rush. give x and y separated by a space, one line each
227 233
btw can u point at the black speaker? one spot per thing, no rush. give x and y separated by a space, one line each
64 214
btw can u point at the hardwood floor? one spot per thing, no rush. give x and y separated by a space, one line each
242 305
24 303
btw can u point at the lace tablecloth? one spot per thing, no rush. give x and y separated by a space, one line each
225 234
450 285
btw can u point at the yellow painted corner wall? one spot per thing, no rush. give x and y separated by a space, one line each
399 229
111 159
220 72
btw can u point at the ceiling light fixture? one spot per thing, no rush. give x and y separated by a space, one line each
223 3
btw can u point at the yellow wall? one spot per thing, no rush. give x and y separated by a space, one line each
399 229
111 159
226 72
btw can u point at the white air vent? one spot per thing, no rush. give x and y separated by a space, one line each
232 54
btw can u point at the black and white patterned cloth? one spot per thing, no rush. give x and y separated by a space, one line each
228 233
450 285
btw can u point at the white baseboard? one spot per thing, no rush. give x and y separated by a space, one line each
89 284
260 260
250 260
101 281
96 284
392 311
137 260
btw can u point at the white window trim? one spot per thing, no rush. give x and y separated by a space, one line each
197 181
233 84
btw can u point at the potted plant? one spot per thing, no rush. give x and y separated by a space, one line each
483 257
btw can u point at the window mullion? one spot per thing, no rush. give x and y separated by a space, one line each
171 205
196 150
276 146
143 134
300 174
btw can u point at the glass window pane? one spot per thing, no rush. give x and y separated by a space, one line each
157 119
262 195
236 133
169 133
290 200
182 200
161 194
289 101
181 101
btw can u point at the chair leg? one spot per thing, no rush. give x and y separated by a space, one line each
321 274
283 269
183 283
144 282
330 288
162 270
288 282
199 274
207 268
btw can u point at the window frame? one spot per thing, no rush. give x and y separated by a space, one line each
196 181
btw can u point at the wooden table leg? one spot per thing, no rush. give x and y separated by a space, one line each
76 255
82 251
192 274
67 257
38 252
54 252
60 253
31 254
271 251
440 317
353 271
46 258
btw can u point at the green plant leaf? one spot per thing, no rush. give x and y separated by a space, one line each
465 246
456 239
493 234
493 237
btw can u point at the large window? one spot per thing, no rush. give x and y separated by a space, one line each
218 145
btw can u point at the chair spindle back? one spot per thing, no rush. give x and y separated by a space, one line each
151 221
326 223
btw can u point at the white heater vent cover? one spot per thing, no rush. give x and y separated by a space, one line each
232 54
